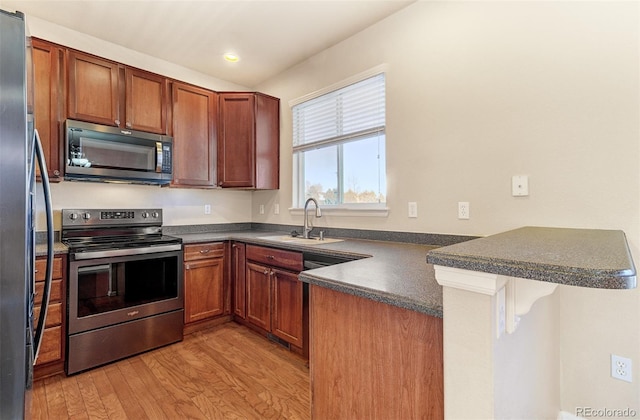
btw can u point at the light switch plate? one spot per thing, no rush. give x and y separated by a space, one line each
413 209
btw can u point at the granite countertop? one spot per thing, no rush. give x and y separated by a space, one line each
394 273
577 257
58 248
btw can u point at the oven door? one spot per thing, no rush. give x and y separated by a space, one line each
113 290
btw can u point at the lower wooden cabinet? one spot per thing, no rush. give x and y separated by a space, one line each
275 299
239 277
52 350
205 288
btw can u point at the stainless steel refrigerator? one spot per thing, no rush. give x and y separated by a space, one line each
19 152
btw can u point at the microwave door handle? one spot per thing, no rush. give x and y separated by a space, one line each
158 156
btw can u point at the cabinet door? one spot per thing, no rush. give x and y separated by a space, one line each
94 93
194 136
146 103
259 295
236 140
239 279
267 142
287 307
48 65
203 289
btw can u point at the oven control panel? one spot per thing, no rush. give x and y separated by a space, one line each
110 217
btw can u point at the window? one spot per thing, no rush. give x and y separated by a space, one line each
339 146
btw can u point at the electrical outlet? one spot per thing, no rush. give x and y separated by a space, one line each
621 368
207 209
463 210
413 209
276 208
261 209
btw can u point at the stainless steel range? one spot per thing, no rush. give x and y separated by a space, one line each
125 285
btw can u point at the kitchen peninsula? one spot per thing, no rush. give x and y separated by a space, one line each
502 330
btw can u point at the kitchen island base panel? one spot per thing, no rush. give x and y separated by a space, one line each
373 360
97 347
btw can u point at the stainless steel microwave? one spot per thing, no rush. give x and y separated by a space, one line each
110 154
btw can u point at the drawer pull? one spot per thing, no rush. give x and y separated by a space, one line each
205 251
271 257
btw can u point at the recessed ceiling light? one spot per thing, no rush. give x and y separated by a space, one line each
231 57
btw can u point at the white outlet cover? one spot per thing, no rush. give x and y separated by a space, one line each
520 186
621 368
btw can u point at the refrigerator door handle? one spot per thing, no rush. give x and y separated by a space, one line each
49 270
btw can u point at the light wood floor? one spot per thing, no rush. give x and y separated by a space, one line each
224 373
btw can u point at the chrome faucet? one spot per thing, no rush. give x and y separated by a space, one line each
308 227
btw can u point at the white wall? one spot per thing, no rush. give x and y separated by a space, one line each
479 91
181 206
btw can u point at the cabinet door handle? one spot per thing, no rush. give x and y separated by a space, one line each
128 124
187 267
266 272
117 122
271 257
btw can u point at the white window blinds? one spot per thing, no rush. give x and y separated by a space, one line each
346 114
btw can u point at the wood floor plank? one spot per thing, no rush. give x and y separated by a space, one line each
125 395
56 403
227 372
147 400
92 402
73 397
39 410
108 395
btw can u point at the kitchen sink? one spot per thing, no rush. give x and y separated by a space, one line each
300 240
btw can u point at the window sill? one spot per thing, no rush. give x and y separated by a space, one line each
345 211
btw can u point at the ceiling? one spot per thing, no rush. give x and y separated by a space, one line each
269 36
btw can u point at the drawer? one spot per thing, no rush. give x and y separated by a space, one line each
54 315
203 251
289 260
56 291
41 267
51 349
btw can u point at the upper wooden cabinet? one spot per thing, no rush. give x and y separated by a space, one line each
194 135
248 141
49 96
105 92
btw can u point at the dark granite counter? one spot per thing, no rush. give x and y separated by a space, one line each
577 257
390 272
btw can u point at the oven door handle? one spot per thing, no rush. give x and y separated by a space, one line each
104 267
126 252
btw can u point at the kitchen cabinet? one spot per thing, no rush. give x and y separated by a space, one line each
52 351
106 92
274 296
239 276
360 344
49 100
204 281
194 113
248 141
